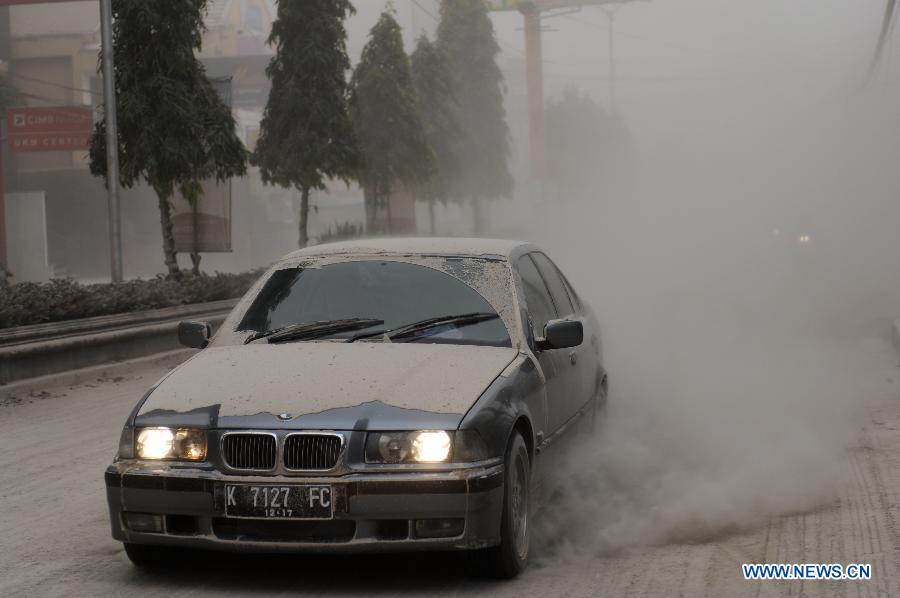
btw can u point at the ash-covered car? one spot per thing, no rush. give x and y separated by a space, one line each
399 394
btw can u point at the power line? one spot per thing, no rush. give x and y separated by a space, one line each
52 84
425 10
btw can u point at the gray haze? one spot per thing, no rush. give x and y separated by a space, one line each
737 354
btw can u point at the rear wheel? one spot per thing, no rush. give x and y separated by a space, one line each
145 555
509 558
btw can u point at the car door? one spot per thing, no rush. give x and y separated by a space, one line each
578 369
553 363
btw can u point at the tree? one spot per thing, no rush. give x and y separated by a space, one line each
306 135
9 95
466 35
588 149
438 108
174 129
386 118
577 134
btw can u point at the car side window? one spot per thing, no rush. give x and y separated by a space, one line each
554 280
537 296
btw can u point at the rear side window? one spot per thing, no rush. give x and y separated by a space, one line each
557 287
537 296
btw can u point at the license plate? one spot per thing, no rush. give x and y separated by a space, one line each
271 501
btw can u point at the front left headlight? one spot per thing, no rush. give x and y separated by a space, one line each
183 444
424 446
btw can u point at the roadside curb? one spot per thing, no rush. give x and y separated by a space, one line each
47 349
91 374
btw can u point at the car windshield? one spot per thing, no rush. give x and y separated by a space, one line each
398 293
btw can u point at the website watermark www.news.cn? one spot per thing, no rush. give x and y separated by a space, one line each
807 571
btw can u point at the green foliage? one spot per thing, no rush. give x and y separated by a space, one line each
438 108
342 231
386 116
306 136
174 129
466 36
32 303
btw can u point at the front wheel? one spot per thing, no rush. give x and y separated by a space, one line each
509 558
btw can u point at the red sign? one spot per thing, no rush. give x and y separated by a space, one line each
62 129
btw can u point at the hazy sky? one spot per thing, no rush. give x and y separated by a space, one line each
659 43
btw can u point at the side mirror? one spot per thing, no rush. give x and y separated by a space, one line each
194 334
562 334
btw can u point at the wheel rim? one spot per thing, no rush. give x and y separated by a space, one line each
518 507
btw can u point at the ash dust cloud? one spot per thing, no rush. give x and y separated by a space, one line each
737 237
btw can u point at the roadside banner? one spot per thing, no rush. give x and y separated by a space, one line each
57 129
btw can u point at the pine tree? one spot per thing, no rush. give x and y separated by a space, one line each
386 118
437 105
174 129
306 136
467 37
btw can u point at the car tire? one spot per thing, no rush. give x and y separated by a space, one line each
510 557
145 555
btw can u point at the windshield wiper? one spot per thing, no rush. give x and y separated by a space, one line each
410 329
311 330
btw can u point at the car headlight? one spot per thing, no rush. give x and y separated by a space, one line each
185 444
424 446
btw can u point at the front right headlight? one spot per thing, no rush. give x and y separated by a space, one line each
185 444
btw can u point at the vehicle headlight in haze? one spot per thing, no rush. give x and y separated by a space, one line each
430 447
424 446
184 444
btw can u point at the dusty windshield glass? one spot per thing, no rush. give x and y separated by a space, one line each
396 292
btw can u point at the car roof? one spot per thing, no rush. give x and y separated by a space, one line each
451 246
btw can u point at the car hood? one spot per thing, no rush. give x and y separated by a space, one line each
325 385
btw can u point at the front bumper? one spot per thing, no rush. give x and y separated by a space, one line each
373 512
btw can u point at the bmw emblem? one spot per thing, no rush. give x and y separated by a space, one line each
285 416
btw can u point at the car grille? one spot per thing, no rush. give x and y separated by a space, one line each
312 451
249 451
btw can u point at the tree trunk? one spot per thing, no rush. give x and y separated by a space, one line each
390 216
371 208
303 241
431 217
195 242
168 234
477 217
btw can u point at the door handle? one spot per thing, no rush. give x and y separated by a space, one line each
573 357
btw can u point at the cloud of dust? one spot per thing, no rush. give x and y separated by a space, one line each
741 359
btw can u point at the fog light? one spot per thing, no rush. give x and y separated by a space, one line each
144 522
439 528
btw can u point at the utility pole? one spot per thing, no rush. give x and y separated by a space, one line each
534 56
531 10
610 20
112 141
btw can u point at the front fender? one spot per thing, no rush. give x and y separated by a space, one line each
519 391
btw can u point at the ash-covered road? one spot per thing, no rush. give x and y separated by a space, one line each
55 444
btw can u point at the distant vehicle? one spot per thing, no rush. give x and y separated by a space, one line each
390 395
